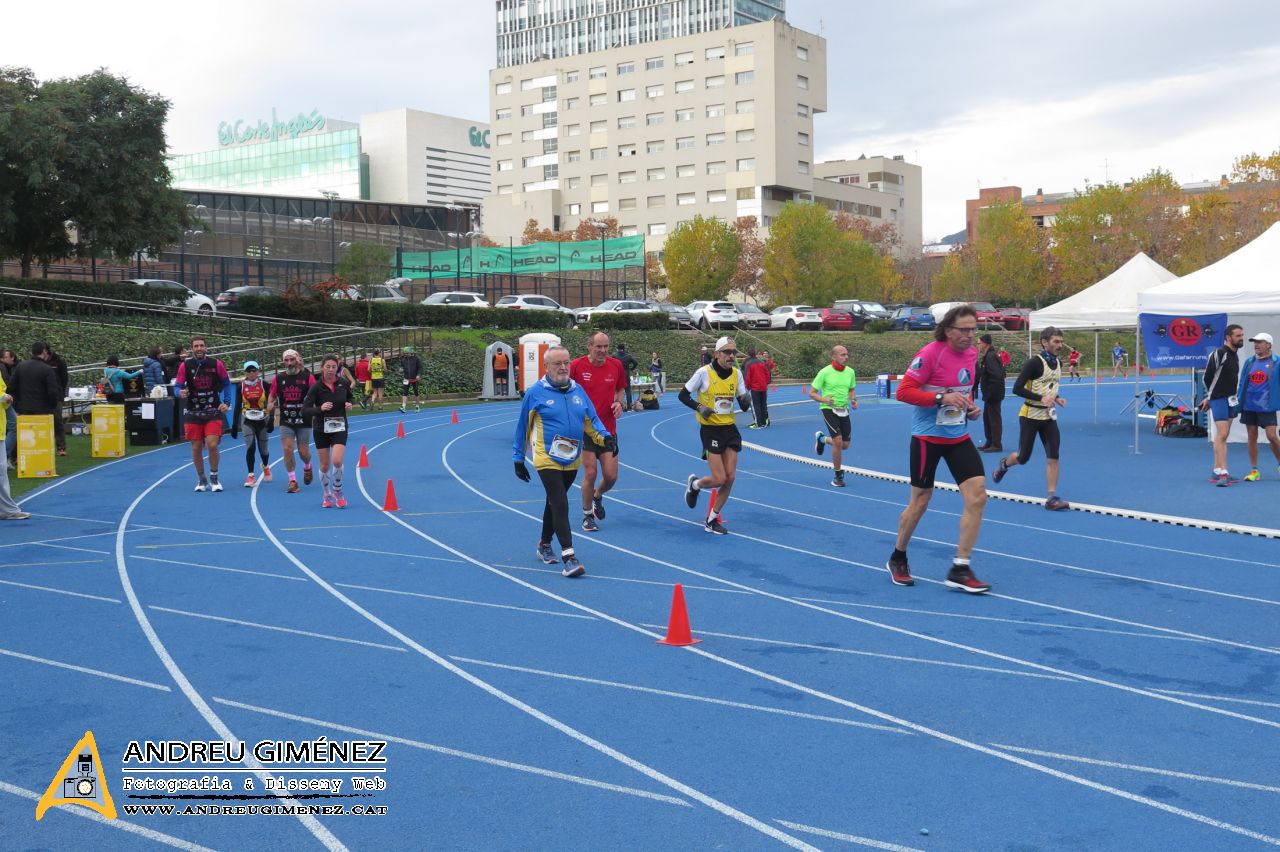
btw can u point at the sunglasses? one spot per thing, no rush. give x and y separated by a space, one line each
727 352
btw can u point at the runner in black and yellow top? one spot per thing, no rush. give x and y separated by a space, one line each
711 392
377 378
1038 385
254 420
835 389
327 404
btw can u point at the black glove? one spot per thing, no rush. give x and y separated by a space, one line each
705 411
745 403
611 444
271 425
522 472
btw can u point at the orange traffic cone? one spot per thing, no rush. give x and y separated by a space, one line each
678 626
389 504
804 391
400 429
455 416
364 457
773 389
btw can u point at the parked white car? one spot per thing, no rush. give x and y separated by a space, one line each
532 302
612 306
189 300
377 293
707 315
792 317
456 298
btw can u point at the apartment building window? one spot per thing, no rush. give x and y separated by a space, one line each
653 63
626 204
657 229
625 95
685 171
747 164
626 68
573 157
503 114
744 78
715 196
504 139
655 146
656 201
628 150
746 193
684 86
684 115
715 138
802 166
681 59
715 81
550 146
626 122
744 48
599 207
502 89
548 94
715 110
598 153
599 126
573 182
802 53
550 172
745 135
599 180
684 143
505 189
744 107
571 76
654 91
717 167
802 82
573 130
526 85
575 209
549 119
629 230
526 187
802 110
658 173
597 73
524 162
714 53
526 135
504 165
626 177
572 103
598 99
802 139
526 110
684 199
653 118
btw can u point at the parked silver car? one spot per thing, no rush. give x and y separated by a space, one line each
612 306
708 314
677 316
752 316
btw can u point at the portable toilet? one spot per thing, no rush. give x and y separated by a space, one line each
500 383
533 348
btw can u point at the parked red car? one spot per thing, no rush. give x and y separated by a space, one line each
833 320
987 314
1016 319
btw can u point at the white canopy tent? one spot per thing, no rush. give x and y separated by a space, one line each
1111 303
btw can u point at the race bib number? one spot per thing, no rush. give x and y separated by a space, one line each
949 415
563 449
724 405
333 425
255 414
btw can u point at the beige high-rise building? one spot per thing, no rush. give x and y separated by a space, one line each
717 123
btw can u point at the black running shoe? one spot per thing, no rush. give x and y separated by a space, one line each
1000 471
821 442
589 524
900 572
597 507
546 554
572 567
838 481
691 493
961 577
714 526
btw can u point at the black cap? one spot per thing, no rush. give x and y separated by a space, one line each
986 338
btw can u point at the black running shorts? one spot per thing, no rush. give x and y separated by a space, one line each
838 426
1049 434
962 460
717 439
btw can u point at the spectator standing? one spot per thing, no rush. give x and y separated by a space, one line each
9 510
1221 380
704 355
655 372
116 378
1259 393
757 372
152 370
411 371
363 382
172 361
991 376
1005 358
630 364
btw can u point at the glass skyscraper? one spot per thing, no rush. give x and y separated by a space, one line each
531 30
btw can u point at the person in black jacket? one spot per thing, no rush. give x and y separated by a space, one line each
411 367
1221 381
990 380
34 385
630 364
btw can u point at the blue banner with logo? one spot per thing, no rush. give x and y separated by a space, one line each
1180 340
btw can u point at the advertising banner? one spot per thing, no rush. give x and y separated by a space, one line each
535 258
107 432
35 446
1180 340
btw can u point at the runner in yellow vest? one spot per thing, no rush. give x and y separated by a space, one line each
1038 384
711 392
377 377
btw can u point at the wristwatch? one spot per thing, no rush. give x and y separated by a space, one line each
937 399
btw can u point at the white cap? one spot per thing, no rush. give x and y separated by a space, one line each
1262 337
723 342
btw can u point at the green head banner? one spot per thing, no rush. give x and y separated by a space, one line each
550 258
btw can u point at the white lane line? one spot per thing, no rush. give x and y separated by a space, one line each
847 838
85 670
43 564
870 711
217 568
1209 697
1018 622
79 549
464 755
195 544
347 549
683 696
331 527
273 628
573 733
52 540
464 601
455 512
58 591
854 495
118 824
321 833
596 576
1150 770
897 657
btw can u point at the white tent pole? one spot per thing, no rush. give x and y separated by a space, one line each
1137 384
1095 374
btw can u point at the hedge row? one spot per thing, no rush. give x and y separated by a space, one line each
100 289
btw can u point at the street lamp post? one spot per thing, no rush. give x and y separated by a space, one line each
602 227
182 254
331 196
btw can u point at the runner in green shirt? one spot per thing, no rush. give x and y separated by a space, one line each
835 390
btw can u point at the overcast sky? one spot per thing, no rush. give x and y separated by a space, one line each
978 92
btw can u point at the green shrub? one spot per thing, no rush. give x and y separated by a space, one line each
879 326
628 320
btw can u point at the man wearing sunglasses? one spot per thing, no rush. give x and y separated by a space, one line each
711 392
939 383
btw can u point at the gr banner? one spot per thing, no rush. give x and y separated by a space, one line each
1180 340
107 431
35 446
550 258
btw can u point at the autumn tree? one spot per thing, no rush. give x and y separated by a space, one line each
1006 261
746 278
700 257
808 260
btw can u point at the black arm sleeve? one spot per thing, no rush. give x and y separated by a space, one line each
1031 371
687 399
1210 371
311 403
